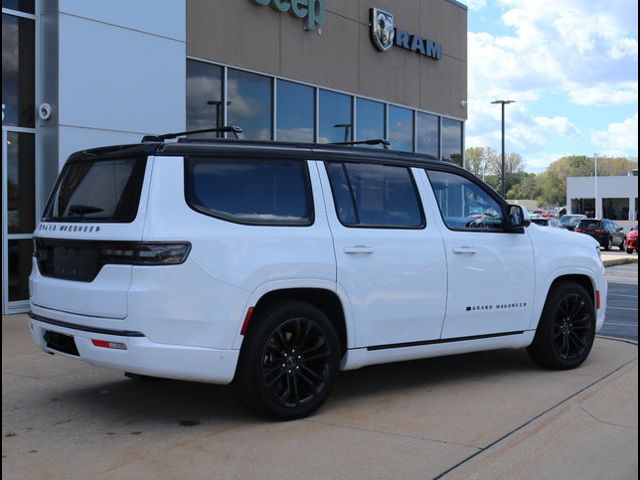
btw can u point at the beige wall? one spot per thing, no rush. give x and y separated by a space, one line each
240 33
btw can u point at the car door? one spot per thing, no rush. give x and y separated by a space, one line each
490 269
391 264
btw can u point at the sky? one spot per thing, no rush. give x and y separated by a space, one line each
570 65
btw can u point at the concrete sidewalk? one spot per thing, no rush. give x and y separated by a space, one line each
611 259
487 415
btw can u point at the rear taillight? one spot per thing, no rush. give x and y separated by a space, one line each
599 231
137 253
577 229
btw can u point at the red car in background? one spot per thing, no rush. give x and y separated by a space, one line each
632 240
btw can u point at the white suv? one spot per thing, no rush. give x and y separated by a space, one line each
276 265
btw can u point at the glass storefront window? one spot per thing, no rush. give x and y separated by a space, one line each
20 182
584 206
615 208
250 104
336 121
369 120
18 71
401 128
20 252
204 96
26 6
428 134
295 112
452 141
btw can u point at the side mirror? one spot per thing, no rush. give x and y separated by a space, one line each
518 217
620 229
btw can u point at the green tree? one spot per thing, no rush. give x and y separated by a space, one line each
524 186
553 182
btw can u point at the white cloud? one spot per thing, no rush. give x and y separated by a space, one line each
603 94
618 137
586 50
475 5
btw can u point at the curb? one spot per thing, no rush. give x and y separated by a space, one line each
619 261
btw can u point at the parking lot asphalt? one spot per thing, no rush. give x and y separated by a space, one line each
476 416
622 303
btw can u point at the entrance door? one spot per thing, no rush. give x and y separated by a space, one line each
19 202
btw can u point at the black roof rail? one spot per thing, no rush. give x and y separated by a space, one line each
237 131
374 141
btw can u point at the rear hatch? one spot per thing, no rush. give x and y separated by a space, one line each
93 220
593 227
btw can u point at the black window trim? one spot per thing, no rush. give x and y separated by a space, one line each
484 187
142 157
423 224
188 188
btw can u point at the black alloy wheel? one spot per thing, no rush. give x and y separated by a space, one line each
572 327
289 361
296 362
567 328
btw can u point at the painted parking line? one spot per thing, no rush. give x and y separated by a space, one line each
620 324
622 308
621 295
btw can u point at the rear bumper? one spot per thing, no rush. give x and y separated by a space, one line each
141 356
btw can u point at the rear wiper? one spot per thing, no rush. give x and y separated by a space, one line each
84 209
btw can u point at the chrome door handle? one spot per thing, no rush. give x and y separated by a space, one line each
358 250
464 250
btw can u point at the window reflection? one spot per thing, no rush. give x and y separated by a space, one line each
20 182
18 71
369 120
401 128
452 141
296 112
250 104
428 134
26 6
204 96
336 122
19 255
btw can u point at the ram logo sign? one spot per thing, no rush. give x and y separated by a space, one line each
384 35
382 29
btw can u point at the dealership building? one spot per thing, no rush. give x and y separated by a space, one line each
85 73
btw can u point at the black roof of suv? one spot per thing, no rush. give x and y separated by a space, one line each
195 147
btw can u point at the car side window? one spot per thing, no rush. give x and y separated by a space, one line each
375 196
251 192
464 205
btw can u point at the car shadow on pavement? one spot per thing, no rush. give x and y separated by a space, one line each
160 402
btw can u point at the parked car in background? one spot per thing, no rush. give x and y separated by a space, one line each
632 240
570 222
607 232
547 222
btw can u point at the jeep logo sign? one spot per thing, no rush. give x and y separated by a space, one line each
384 35
313 12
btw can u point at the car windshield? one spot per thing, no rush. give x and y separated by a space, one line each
570 221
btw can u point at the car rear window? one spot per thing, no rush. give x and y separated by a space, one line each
252 192
590 224
100 190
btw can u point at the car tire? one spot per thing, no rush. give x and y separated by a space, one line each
566 330
289 361
623 245
608 245
630 251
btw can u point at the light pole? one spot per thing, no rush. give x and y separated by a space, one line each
504 177
595 183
